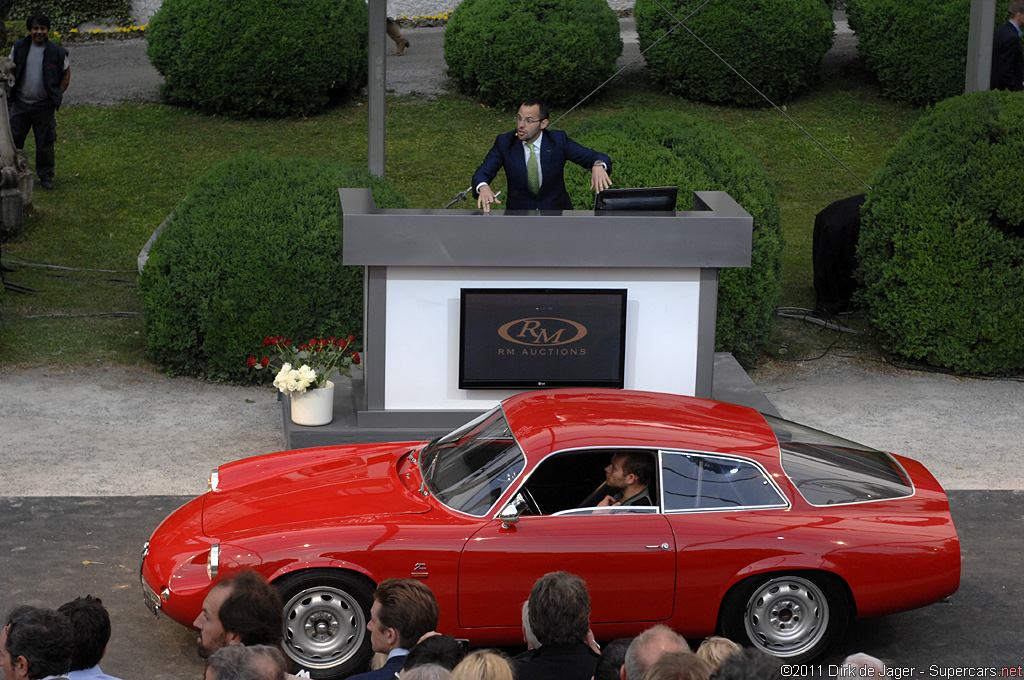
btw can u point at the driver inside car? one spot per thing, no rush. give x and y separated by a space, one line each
627 482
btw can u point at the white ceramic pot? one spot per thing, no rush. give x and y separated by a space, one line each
314 407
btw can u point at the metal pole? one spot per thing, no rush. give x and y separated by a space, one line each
979 45
376 99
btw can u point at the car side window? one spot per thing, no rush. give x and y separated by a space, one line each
701 482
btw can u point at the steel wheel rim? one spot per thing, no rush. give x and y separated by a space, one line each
786 616
323 627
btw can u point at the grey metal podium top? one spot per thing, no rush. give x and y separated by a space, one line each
717 233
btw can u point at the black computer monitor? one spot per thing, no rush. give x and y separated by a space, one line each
661 199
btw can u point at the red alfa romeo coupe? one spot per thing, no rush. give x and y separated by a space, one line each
767 532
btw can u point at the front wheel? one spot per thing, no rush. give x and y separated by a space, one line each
325 616
795 617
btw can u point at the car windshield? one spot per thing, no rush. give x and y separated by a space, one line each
469 469
829 470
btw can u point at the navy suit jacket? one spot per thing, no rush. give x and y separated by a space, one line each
555 149
385 672
1007 65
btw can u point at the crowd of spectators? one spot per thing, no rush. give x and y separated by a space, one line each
240 630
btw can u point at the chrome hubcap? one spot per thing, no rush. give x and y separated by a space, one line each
786 616
323 627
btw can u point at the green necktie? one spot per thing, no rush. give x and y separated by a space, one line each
533 172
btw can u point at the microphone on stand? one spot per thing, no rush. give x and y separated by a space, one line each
461 196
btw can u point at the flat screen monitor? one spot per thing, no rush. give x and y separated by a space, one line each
661 199
529 338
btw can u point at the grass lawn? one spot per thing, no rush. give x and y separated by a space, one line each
121 170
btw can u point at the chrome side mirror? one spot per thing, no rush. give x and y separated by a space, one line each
509 515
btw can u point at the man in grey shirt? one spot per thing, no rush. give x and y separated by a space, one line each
41 75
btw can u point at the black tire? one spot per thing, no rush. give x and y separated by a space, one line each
796 616
325 616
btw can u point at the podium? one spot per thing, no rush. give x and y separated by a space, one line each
418 262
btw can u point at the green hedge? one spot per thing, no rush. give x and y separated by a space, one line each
505 51
676 149
259 58
775 44
916 48
942 238
65 14
253 250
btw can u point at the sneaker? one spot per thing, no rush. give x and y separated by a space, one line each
47 183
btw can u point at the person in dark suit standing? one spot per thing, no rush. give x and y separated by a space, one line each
1007 63
403 611
534 159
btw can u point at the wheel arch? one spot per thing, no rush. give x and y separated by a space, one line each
744 579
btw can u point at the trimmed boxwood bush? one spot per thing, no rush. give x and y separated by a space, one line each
259 58
775 44
942 238
505 51
916 48
253 250
675 149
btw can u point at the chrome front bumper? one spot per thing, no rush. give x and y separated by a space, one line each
149 596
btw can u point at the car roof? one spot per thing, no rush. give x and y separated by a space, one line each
557 420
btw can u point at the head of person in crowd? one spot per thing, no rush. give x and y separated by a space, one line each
38 26
241 662
437 650
531 640
403 611
559 609
612 657
483 664
90 630
679 666
859 661
750 664
35 644
242 610
717 649
427 671
16 612
647 647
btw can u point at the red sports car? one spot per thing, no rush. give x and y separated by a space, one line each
767 532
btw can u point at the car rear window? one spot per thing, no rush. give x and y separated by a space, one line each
830 470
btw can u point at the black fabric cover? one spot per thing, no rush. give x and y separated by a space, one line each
836 230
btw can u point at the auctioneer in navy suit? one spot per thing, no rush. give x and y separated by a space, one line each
555 149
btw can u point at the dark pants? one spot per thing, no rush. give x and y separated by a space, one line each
43 121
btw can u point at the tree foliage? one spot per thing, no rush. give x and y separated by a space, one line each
253 250
776 45
258 58
942 238
505 51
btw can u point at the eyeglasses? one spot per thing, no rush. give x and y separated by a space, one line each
528 121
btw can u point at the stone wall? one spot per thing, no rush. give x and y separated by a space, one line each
142 10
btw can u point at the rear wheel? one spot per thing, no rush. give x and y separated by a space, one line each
325 616
796 617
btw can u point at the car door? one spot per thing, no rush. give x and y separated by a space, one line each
626 555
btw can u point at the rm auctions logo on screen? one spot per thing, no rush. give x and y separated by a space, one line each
543 331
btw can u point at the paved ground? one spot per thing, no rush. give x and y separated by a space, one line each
93 458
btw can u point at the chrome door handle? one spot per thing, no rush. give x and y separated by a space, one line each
663 546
